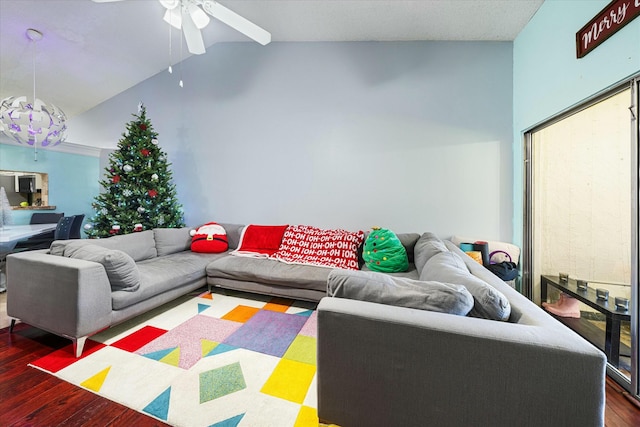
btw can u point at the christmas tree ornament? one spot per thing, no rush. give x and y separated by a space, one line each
127 168
115 229
137 227
88 227
154 141
153 193
145 152
115 179
141 210
154 177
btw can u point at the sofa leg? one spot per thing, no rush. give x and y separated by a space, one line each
78 345
13 323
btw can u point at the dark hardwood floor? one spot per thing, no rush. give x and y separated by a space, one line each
29 397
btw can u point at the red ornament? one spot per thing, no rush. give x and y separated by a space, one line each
143 126
153 193
145 152
115 179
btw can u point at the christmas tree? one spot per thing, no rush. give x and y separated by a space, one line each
138 192
5 208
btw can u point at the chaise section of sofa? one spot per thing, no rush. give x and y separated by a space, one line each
385 365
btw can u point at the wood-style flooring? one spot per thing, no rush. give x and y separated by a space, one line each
29 397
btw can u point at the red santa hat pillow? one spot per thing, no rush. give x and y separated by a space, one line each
209 238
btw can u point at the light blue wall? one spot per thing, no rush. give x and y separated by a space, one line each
548 78
73 178
413 136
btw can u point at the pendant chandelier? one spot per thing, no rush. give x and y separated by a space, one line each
36 122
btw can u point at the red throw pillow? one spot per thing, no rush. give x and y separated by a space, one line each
209 238
260 241
302 244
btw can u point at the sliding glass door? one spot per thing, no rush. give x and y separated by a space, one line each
581 219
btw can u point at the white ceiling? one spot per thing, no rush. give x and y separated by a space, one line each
90 51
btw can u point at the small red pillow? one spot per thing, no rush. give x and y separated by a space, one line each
260 241
209 238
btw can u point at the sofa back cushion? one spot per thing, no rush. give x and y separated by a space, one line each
121 269
233 233
139 246
172 240
448 267
427 246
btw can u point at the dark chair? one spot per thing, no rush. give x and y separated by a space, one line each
43 240
63 229
45 217
75 226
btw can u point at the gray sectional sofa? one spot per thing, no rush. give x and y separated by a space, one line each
87 285
390 351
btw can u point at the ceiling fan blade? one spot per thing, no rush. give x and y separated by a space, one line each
236 21
173 17
192 35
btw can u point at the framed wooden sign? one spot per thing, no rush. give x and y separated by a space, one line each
606 23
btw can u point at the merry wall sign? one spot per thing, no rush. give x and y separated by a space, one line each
612 18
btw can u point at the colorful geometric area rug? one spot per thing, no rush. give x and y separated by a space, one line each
213 359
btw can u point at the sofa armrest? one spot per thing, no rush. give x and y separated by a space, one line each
382 365
66 296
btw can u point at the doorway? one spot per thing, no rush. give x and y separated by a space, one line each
581 220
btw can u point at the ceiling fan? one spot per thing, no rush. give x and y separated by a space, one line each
188 16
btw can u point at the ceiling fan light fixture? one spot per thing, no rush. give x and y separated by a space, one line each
169 4
191 18
200 18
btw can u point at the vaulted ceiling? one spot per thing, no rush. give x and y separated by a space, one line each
86 44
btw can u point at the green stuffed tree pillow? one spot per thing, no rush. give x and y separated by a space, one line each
384 252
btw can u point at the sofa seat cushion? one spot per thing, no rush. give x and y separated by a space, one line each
269 271
120 268
448 267
402 292
160 274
